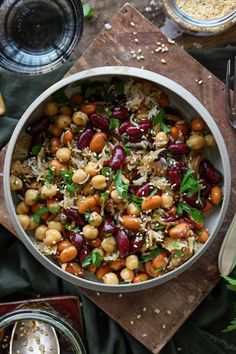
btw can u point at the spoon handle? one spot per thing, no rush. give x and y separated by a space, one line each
227 255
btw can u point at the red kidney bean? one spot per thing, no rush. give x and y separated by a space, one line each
117 158
120 113
170 218
193 201
76 238
210 172
144 190
139 130
39 126
207 188
122 241
179 148
124 126
83 253
135 244
99 121
59 196
107 226
85 138
75 216
174 174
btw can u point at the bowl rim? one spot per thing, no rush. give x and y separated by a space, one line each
136 73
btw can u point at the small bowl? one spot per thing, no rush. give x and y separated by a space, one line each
187 104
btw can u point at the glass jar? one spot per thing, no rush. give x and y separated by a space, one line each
194 25
67 341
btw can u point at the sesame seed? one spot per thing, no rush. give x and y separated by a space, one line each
144 309
157 311
139 316
134 33
209 76
132 322
179 349
163 326
120 295
139 50
200 82
158 43
168 312
171 41
144 335
132 24
136 40
98 294
108 26
163 61
132 51
134 55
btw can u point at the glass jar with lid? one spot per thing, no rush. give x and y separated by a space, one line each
200 17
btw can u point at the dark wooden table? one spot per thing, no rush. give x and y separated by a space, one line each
152 316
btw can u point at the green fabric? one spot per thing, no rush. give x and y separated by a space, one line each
21 276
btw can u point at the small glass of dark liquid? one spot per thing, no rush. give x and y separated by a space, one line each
37 36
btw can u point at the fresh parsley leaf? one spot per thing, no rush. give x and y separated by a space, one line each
158 227
179 254
127 149
36 149
231 327
121 187
60 97
190 184
137 200
195 214
50 175
88 11
108 235
153 192
87 216
71 188
114 123
151 255
106 171
67 175
104 196
159 119
93 258
231 283
54 209
38 213
90 91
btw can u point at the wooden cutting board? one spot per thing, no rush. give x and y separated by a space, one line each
153 316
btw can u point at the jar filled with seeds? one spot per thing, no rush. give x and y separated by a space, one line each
202 17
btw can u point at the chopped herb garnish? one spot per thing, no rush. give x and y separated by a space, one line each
114 123
195 214
71 189
151 255
36 149
137 200
106 171
87 216
153 192
104 196
159 119
88 11
121 187
39 213
179 254
158 227
127 149
93 258
108 235
50 175
54 209
68 227
190 184
70 186
60 97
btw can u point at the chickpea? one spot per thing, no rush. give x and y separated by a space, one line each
90 232
80 118
54 130
127 275
24 220
116 197
91 169
95 219
104 269
63 154
166 201
33 224
62 121
79 176
180 230
22 208
98 142
132 262
67 137
210 140
216 195
109 244
31 196
57 166
50 108
161 139
151 202
36 185
130 222
56 225
54 144
68 254
110 279
48 191
65 110
132 209
87 204
140 277
196 142
117 264
40 232
99 182
87 188
198 124
52 237
15 183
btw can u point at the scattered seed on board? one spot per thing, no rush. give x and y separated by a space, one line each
163 61
98 294
144 335
144 309
132 322
132 24
163 326
120 295
139 316
108 26
157 311
200 82
136 40
171 41
168 312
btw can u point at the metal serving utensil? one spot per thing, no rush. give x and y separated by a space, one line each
33 336
230 102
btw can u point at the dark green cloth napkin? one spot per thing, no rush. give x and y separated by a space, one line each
21 276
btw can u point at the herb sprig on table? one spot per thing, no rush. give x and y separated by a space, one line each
231 285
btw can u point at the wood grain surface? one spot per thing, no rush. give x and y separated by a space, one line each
163 309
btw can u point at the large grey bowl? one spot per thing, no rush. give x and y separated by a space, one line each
187 104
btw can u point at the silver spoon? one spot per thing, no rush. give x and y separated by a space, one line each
227 255
33 336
